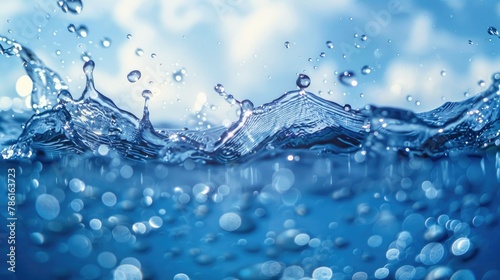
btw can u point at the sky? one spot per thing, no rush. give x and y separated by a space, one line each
420 53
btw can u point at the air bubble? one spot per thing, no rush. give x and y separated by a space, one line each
134 76
348 78
79 246
381 273
322 273
461 246
76 185
230 221
108 199
303 81
47 206
181 276
127 272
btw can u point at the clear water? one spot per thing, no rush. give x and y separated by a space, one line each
297 188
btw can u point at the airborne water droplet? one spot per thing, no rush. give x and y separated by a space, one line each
106 42
129 36
481 83
147 94
322 54
329 44
220 89
134 76
72 6
366 70
139 52
348 78
303 81
246 105
287 44
83 31
443 73
493 31
71 28
364 37
179 75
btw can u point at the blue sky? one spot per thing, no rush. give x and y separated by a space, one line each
432 51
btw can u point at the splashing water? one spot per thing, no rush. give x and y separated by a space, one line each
298 119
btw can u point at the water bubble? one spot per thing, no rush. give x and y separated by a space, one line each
76 185
47 206
72 6
139 52
121 234
181 276
71 28
155 222
463 274
461 246
106 259
230 221
348 78
493 31
246 105
322 273
79 246
108 199
381 273
106 42
147 94
287 44
82 31
283 180
271 269
134 76
95 224
432 253
329 44
365 70
127 272
303 81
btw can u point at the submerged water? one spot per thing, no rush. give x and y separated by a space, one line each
297 188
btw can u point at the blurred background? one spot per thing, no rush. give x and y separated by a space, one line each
400 53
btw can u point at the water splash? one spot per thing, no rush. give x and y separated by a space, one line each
298 119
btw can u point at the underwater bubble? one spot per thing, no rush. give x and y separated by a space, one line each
82 31
439 273
90 271
329 44
287 44
432 253
374 241
348 78
47 206
381 273
406 272
139 52
293 272
127 272
181 276
76 185
322 273
134 76
155 222
493 31
283 180
365 70
303 81
106 42
108 199
461 246
230 221
121 234
79 246
139 228
95 224
463 274
271 269
106 259
302 239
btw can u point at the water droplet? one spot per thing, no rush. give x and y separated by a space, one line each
83 31
153 55
134 76
147 94
230 221
85 56
347 107
72 6
71 28
139 52
220 89
329 44
470 42
129 36
348 78
246 105
178 75
106 42
181 276
364 37
287 44
303 81
366 70
443 73
493 31
322 54
409 98
481 83
58 52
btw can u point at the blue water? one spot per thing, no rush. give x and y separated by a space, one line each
298 188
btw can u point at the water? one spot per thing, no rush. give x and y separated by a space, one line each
297 188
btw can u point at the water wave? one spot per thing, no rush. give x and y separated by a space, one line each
94 125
